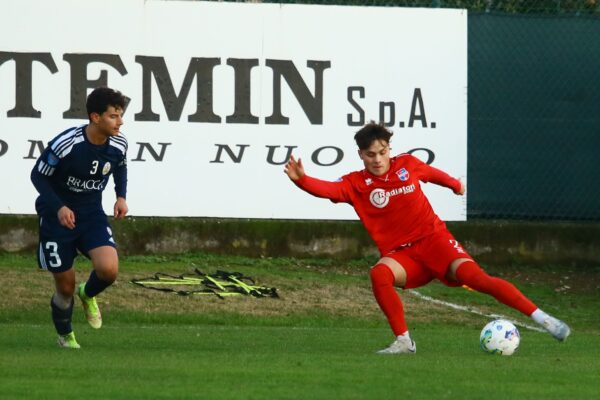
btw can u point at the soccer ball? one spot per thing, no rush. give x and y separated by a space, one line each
500 337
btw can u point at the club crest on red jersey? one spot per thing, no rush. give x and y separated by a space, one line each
402 174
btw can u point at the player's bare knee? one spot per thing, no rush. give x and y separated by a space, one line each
108 273
65 290
106 263
64 282
65 287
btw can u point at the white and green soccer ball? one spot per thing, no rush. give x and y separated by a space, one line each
500 337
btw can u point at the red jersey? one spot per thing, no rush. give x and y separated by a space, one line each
392 207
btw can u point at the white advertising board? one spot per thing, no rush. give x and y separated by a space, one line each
220 92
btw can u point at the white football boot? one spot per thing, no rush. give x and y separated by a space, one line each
557 328
402 345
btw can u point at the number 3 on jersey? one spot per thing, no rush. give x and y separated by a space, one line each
94 167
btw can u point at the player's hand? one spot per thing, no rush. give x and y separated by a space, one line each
462 189
120 209
294 169
66 217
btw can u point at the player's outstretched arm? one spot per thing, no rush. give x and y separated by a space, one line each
294 169
439 177
328 190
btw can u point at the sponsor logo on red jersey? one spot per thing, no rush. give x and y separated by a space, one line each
380 198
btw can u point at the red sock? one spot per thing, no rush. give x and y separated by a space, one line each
382 281
470 274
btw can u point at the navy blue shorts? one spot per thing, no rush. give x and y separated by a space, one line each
58 245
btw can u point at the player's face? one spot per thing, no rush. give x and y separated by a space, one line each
110 121
377 157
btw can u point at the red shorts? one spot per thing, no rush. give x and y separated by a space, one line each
429 258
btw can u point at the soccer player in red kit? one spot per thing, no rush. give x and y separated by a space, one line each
415 245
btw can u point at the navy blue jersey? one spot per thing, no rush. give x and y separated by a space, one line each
73 172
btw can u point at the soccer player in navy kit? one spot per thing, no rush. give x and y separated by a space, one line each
70 175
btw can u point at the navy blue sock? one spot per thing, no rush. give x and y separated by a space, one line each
95 285
62 318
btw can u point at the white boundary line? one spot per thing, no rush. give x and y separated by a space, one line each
473 311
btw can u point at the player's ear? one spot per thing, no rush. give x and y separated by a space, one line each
360 154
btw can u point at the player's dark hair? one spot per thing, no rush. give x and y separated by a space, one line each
101 98
370 133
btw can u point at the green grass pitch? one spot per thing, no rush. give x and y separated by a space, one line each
317 341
